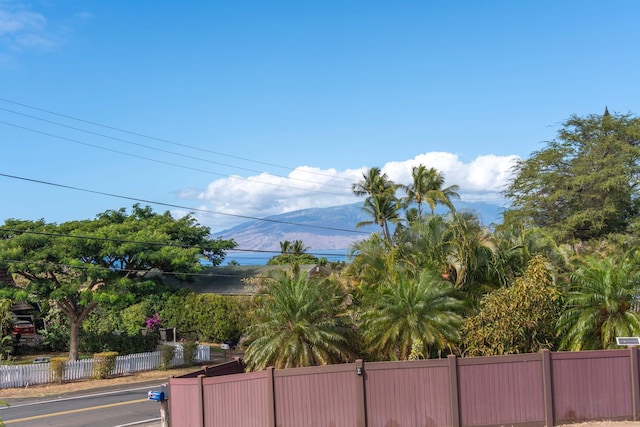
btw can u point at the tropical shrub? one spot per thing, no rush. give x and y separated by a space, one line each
189 352
58 367
167 353
300 322
122 343
103 364
206 317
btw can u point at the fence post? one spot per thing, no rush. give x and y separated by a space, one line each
201 399
635 381
453 390
271 398
361 397
547 389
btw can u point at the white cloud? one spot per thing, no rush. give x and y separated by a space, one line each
305 187
23 29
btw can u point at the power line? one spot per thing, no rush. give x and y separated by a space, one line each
179 206
164 244
123 270
143 146
161 161
159 139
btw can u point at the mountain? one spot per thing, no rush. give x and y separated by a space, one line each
324 228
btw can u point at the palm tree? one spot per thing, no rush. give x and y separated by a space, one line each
383 209
381 202
470 250
299 323
427 187
285 247
410 317
598 306
298 247
374 182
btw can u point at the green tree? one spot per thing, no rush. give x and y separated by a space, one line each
410 317
383 209
598 307
584 184
80 264
293 253
427 187
520 318
299 322
381 202
517 244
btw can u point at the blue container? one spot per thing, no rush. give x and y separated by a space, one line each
156 396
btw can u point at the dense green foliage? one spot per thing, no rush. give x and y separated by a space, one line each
80 264
409 318
584 184
599 304
299 321
206 317
560 271
516 319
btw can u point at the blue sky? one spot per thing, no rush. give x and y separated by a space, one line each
260 107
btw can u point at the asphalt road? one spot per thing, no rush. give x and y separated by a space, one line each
121 406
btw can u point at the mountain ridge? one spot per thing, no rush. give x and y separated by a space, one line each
324 228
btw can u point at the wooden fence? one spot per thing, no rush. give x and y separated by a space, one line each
526 390
40 373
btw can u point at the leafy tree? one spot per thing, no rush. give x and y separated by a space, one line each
373 182
427 187
410 317
383 209
381 202
206 317
80 264
293 253
285 247
298 247
520 318
299 322
517 244
598 307
584 184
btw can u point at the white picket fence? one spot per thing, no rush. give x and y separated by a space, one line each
40 373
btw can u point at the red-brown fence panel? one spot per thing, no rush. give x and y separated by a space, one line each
319 396
408 393
185 402
237 400
591 385
501 390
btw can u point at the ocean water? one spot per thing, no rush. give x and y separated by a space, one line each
261 258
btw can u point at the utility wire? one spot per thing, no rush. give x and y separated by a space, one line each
146 146
124 270
159 139
178 206
160 161
163 244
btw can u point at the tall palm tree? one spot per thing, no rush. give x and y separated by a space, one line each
383 209
373 182
470 249
598 306
285 247
410 316
298 247
427 187
299 323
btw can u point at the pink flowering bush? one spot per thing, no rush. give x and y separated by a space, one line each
154 322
